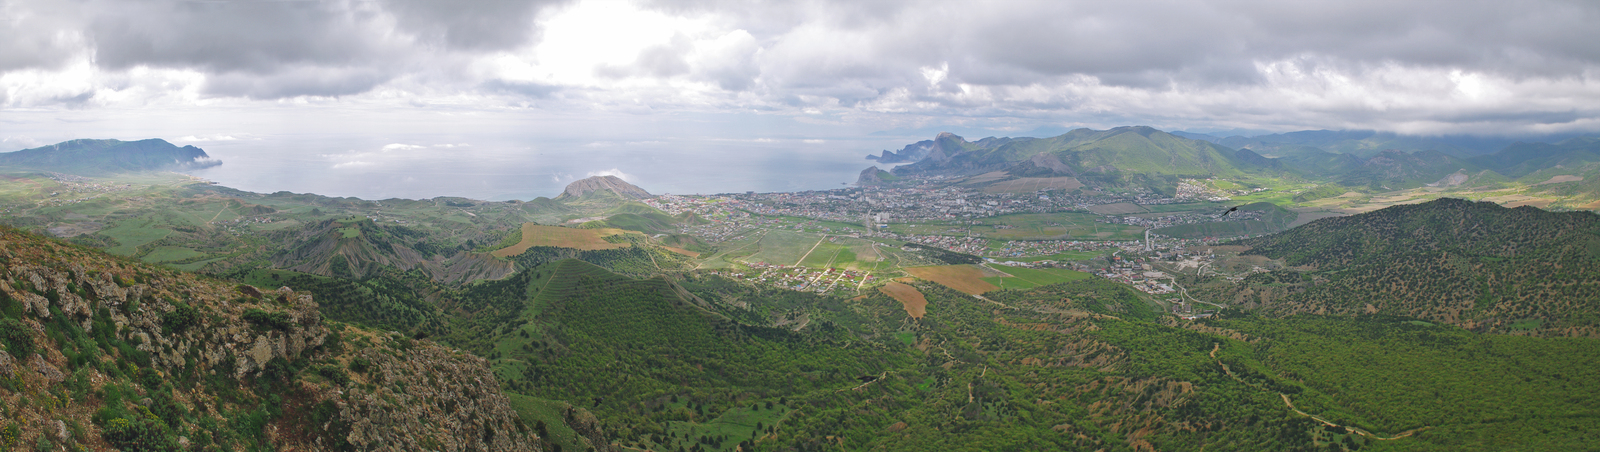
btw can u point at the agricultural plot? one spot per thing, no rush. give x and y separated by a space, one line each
1054 226
965 278
1028 278
133 234
582 239
1120 208
784 247
915 304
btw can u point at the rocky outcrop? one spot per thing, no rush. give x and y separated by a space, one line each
429 398
869 176
178 353
613 184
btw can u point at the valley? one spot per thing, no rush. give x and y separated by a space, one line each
1068 293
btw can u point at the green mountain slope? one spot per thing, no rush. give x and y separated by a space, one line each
1085 153
105 353
101 157
1473 264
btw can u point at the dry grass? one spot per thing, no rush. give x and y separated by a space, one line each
914 303
1560 179
540 235
681 251
965 278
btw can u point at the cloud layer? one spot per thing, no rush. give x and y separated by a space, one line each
1481 67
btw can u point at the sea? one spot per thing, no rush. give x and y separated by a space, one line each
427 166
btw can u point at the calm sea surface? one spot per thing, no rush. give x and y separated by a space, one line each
429 166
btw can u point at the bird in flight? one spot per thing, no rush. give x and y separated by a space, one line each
1224 214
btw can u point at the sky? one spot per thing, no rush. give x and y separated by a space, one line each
367 91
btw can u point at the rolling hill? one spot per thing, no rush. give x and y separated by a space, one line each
1140 156
1473 264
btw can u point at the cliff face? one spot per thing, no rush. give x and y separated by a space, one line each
107 353
613 184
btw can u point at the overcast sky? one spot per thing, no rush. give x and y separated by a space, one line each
559 74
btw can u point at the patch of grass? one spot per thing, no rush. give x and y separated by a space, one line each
132 234
535 412
170 254
1028 278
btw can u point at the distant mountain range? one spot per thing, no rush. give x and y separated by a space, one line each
100 157
1145 156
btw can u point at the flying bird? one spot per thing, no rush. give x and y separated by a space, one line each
1224 214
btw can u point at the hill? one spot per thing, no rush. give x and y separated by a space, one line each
101 157
1472 264
1124 155
357 247
604 185
104 353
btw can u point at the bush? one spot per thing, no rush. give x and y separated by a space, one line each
180 318
18 338
274 320
142 433
360 365
334 374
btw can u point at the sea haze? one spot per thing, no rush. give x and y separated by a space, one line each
426 166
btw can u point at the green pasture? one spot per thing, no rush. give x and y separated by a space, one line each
552 414
1028 278
132 234
738 424
170 254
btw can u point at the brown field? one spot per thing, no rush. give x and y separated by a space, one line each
965 278
1033 184
540 235
1118 208
1560 179
915 304
681 251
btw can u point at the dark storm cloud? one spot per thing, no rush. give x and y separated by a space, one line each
470 25
283 49
1149 43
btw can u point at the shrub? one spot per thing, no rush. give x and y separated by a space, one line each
274 320
360 365
334 374
142 433
17 337
180 318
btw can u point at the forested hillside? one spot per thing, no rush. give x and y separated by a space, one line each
1473 264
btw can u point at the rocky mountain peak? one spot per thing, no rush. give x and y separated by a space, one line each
615 184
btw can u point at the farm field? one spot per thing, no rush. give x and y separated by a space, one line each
132 234
540 235
965 278
1028 278
1054 226
915 304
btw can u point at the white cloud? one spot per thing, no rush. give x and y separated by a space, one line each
611 172
1426 67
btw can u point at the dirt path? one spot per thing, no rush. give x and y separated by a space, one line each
808 252
1287 403
724 253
